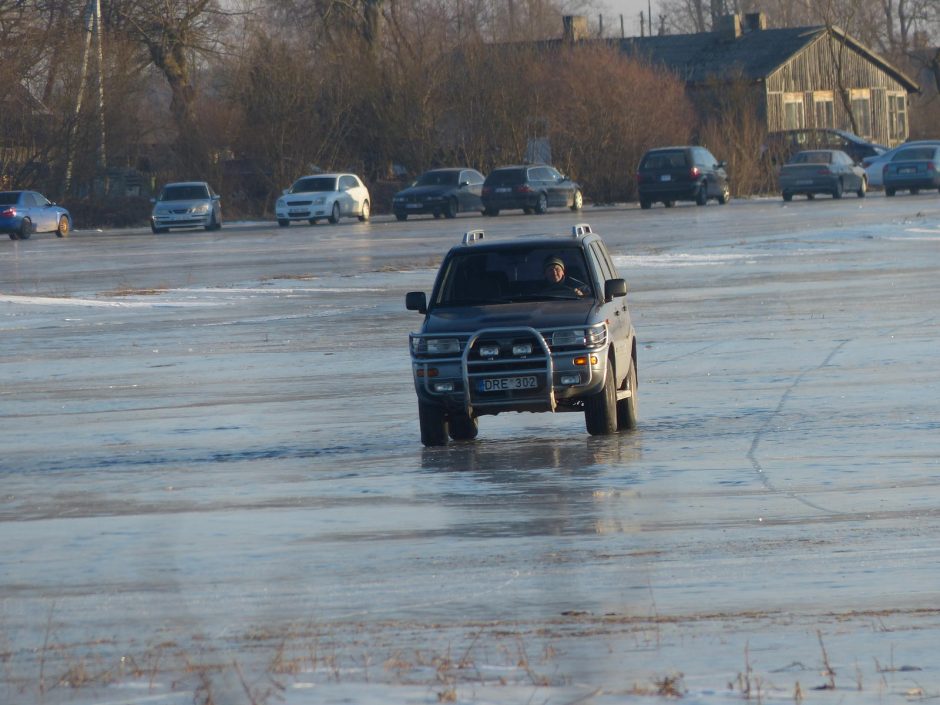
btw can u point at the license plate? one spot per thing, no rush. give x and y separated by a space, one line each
665 177
804 182
507 384
413 205
503 190
300 213
907 170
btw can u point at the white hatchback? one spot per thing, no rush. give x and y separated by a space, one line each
330 196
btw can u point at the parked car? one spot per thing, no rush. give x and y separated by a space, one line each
822 171
330 196
441 192
913 168
186 204
688 173
874 166
531 324
782 145
23 213
534 189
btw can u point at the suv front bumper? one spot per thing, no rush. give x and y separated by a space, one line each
477 384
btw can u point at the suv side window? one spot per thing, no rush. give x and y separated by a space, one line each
601 273
539 173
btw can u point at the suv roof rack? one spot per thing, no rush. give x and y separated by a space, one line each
580 230
472 236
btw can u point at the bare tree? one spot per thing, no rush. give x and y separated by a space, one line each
173 33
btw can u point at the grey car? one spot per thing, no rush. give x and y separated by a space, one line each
186 204
913 169
828 171
530 324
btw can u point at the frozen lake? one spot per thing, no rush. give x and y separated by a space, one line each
213 488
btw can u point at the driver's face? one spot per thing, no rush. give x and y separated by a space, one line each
554 273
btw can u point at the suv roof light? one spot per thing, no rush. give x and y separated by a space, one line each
580 230
471 236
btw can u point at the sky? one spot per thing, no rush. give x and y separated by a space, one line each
630 9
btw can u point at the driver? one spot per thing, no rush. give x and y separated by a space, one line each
557 277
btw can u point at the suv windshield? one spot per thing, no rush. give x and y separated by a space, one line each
316 183
511 275
438 178
184 193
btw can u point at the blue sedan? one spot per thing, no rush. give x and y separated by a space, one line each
23 213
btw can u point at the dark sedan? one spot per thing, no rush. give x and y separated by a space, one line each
441 192
913 168
532 188
23 213
829 171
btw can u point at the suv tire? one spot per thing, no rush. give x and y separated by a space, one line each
701 196
433 425
541 205
628 409
463 428
334 214
600 410
577 203
450 210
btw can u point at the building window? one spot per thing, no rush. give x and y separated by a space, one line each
861 109
897 117
793 115
824 109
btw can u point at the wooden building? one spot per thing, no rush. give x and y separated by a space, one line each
806 77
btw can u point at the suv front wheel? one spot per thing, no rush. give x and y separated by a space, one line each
600 410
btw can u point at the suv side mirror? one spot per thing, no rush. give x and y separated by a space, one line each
614 288
416 301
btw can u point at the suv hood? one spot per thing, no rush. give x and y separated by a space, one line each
539 315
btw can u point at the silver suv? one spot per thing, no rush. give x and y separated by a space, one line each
533 324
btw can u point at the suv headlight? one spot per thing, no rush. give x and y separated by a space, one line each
319 200
200 209
435 346
280 203
568 337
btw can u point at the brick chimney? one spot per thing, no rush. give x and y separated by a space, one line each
729 27
575 28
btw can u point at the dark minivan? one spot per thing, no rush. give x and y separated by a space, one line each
671 174
532 188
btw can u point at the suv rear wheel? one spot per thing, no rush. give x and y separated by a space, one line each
541 205
600 410
701 196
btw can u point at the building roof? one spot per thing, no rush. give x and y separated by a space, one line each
755 55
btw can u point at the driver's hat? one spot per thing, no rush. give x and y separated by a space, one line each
553 260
